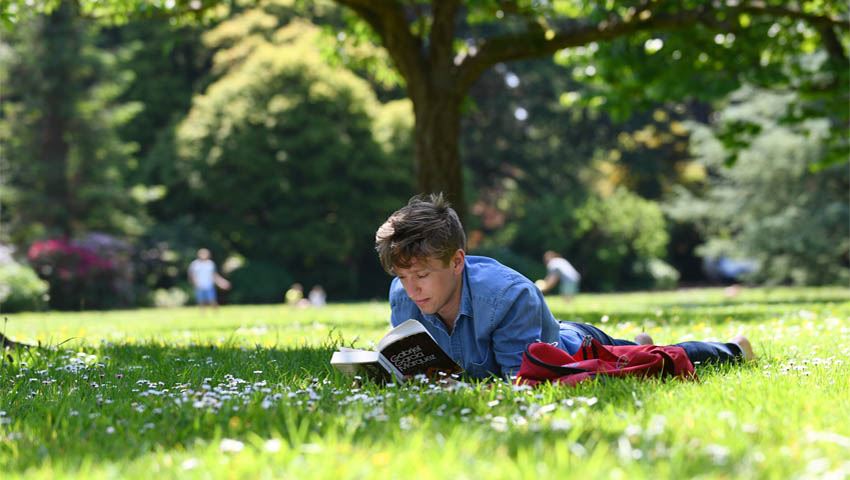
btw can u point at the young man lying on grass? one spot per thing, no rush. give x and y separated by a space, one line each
482 313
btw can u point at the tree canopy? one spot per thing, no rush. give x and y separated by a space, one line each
441 48
641 49
277 158
769 207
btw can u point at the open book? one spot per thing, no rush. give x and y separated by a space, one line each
405 351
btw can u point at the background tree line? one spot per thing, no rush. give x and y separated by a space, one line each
278 134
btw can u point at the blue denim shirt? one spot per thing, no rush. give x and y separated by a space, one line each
501 312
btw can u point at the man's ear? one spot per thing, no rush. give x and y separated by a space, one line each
457 260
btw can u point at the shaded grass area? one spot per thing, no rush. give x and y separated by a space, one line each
136 396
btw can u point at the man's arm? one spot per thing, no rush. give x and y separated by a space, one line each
519 326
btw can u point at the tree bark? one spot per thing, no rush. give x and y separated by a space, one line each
436 137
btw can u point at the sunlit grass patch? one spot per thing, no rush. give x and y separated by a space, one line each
248 392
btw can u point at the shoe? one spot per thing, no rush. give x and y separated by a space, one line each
643 338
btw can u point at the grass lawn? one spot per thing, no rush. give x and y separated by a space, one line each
247 392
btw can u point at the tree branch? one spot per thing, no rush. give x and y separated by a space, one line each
387 20
833 46
760 8
534 43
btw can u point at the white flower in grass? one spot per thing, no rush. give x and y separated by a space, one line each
499 424
656 425
718 453
110 430
624 448
560 424
190 463
578 450
632 431
229 445
311 448
272 446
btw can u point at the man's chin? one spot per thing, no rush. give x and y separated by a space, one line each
426 309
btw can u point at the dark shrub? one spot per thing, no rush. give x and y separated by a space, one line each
258 282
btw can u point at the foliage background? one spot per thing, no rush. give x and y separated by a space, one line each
278 135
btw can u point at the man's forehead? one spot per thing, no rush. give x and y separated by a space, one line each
420 263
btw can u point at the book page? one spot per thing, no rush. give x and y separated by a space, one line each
363 363
349 349
354 356
406 329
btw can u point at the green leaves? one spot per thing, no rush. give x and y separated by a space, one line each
311 178
769 206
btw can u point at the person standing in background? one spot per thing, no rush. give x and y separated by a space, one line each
204 278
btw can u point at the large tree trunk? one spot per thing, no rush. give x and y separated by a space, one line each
437 142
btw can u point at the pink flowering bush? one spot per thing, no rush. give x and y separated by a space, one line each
79 277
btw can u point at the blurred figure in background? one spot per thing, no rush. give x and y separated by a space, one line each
204 278
317 296
295 296
559 272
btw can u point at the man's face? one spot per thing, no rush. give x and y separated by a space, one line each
434 286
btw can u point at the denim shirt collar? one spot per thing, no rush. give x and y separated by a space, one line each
465 294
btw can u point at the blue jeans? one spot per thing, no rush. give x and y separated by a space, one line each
700 353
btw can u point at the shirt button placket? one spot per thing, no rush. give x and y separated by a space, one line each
457 344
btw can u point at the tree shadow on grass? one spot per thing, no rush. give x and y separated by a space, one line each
332 326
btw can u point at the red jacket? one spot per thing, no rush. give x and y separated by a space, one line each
543 362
